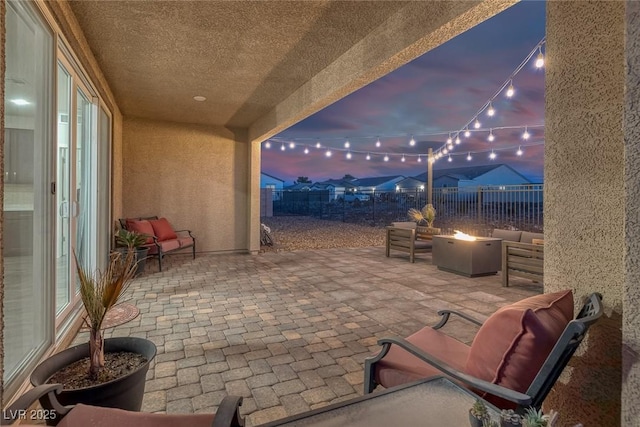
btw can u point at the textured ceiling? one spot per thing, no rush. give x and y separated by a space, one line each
245 57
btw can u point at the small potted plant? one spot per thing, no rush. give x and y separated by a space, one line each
87 376
133 241
508 418
535 418
425 216
478 414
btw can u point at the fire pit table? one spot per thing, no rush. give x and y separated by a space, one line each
471 258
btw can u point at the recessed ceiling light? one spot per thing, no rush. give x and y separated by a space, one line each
20 101
199 98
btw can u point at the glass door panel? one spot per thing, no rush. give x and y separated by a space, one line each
63 200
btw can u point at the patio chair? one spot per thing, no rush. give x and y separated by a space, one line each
407 237
81 415
515 359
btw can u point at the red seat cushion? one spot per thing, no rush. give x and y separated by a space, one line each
166 246
400 367
163 229
185 241
95 416
513 343
141 227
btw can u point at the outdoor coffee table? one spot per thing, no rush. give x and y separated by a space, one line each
480 257
433 402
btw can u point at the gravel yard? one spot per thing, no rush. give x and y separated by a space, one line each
291 233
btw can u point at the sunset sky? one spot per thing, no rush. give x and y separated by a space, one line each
438 92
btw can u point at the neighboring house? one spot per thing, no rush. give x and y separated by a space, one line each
410 184
336 187
475 176
275 184
303 186
377 183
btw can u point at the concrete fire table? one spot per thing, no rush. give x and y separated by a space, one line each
480 257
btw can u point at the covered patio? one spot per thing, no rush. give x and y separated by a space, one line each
289 331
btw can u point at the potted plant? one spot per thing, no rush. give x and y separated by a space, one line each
508 418
133 241
86 374
478 414
425 216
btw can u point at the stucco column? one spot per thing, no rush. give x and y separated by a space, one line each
253 199
584 195
631 295
2 71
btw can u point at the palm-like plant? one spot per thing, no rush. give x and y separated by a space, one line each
100 291
426 214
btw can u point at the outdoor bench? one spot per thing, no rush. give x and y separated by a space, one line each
162 238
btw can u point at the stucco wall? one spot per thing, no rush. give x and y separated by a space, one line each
195 176
584 194
631 302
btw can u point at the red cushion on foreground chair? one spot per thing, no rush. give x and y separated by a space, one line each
162 229
141 227
95 416
513 343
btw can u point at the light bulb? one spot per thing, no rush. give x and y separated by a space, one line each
403 159
491 111
467 133
449 159
378 143
318 144
445 151
347 144
292 145
328 153
526 134
368 157
306 151
510 90
450 146
469 157
282 147
449 139
477 124
386 158
540 59
267 144
457 140
348 155
492 155
491 138
519 152
412 142
419 159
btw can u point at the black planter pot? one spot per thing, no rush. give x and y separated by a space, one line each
124 393
141 258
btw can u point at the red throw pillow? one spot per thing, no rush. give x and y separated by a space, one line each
141 227
513 343
162 229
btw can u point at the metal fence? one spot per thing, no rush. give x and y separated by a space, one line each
475 210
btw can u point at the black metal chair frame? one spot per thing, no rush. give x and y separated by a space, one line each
542 384
227 415
159 252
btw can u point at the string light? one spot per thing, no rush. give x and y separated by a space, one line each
449 140
403 159
318 144
267 144
491 111
477 124
419 159
458 140
510 90
292 145
526 135
445 151
282 148
469 157
378 143
348 155
328 153
540 59
449 159
368 156
519 152
347 144
412 142
467 132
492 156
386 158
450 146
491 138
306 150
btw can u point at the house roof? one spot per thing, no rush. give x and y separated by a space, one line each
271 176
374 181
338 183
464 173
299 186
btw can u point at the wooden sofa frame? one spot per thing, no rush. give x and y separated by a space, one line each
522 260
565 347
160 253
404 240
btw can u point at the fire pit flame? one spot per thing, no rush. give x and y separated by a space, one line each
463 236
